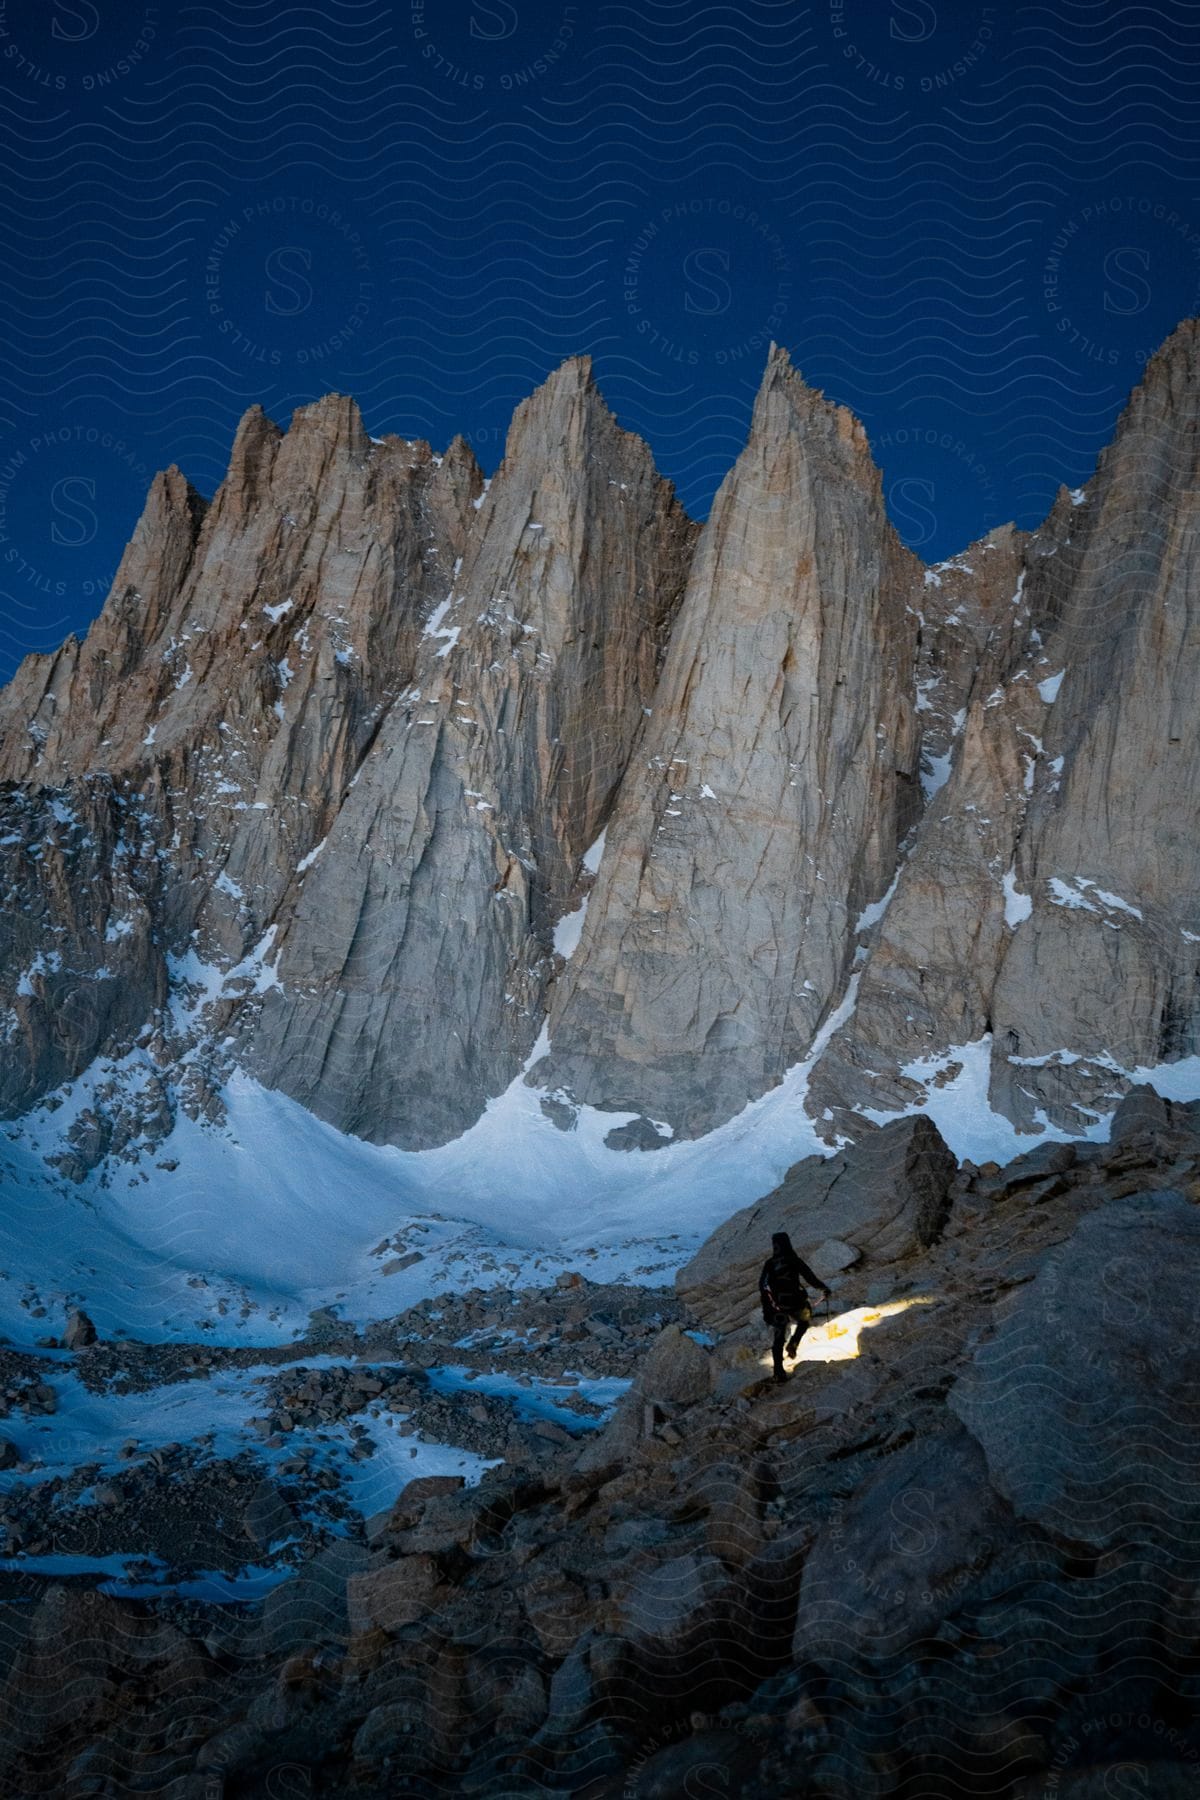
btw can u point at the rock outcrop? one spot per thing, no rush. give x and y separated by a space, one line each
415 960
874 1203
170 775
776 780
363 718
388 784
1086 1366
1051 902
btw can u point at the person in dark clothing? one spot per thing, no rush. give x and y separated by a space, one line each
784 1298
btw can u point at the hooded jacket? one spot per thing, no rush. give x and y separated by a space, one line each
781 1284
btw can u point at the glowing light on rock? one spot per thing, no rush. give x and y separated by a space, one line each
836 1339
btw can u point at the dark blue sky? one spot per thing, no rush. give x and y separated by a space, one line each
970 222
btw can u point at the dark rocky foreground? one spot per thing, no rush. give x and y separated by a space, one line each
964 1560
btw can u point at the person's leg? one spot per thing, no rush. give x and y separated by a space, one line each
802 1322
781 1326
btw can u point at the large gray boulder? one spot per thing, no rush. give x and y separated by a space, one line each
677 1372
677 1369
311 1607
682 1618
887 1196
903 1552
1085 1400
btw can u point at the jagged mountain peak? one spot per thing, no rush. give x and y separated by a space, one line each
378 713
333 415
787 406
568 383
569 413
1178 355
779 773
171 496
254 444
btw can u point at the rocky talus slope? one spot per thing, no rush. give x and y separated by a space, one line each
955 1554
325 788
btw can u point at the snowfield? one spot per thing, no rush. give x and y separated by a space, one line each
274 1214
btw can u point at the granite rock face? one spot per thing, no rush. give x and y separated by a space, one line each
368 716
389 784
1051 902
767 802
415 960
79 969
164 780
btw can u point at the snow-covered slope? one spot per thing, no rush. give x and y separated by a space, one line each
279 837
242 1227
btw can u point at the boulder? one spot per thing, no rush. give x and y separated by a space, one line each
411 1501
572 1736
889 1194
901 1553
741 1364
390 1595
1085 1398
386 1727
268 1517
677 1372
311 1608
718 1761
735 1492
833 1256
1136 1778
506 1685
1144 1114
80 1331
680 1619
557 1608
614 1442
677 1369
1037 1164
447 1521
